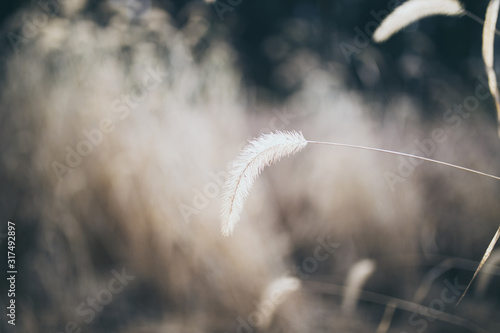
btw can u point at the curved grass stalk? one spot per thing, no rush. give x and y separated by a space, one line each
495 237
406 155
270 148
479 20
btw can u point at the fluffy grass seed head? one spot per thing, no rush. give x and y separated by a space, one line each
259 153
414 10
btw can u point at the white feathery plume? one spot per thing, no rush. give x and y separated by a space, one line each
414 10
259 153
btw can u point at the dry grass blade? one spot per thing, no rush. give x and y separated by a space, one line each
275 294
267 149
358 274
385 323
412 11
490 24
485 257
369 296
486 275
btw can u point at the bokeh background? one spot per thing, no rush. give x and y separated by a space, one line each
263 33
353 250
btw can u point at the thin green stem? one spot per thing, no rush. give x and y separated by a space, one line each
404 154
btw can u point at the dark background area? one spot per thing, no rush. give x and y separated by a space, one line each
435 60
